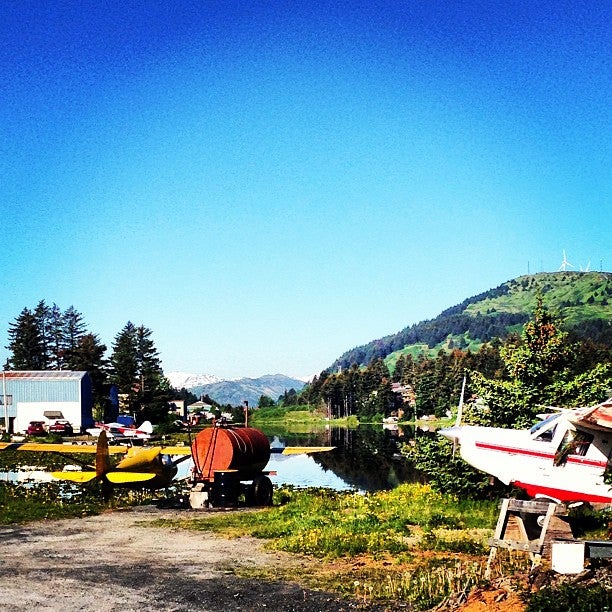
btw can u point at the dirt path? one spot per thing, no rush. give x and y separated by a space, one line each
115 562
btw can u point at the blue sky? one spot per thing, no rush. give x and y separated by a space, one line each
268 184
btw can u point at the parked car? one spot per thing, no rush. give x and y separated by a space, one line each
36 428
61 426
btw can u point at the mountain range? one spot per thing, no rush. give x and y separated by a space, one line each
235 392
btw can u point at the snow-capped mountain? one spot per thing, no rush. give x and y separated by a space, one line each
185 380
235 392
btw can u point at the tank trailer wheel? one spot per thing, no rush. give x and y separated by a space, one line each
262 491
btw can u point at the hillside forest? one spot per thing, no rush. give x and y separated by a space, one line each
535 341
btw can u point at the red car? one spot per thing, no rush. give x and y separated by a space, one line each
61 426
36 428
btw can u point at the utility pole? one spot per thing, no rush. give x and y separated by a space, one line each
6 418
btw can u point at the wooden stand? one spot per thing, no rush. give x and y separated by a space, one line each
526 526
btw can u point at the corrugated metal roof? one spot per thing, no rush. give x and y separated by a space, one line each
46 374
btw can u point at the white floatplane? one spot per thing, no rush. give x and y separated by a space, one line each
118 430
563 457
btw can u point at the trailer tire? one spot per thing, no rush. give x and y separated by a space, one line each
262 491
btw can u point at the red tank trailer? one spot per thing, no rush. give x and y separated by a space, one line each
229 463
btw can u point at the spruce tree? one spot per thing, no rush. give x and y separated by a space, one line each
26 343
56 343
89 356
74 328
136 370
42 315
124 364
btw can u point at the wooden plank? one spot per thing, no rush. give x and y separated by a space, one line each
532 547
534 506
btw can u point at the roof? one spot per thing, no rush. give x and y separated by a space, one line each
599 416
43 374
199 406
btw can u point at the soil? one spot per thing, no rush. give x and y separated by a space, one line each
116 562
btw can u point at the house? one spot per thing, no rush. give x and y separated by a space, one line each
199 412
45 396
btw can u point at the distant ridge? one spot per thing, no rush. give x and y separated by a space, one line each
583 300
185 380
235 392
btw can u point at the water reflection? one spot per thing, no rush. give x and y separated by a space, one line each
303 471
365 459
26 475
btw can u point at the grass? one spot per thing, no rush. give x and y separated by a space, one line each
23 503
409 544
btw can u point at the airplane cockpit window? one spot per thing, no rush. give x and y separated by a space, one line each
545 430
573 443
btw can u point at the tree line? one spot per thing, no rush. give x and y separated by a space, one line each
49 338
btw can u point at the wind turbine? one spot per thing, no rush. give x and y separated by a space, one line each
587 269
564 264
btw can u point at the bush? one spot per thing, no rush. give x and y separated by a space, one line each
569 597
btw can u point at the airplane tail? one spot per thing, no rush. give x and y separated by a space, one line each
459 416
146 427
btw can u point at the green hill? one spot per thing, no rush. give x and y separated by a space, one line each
582 300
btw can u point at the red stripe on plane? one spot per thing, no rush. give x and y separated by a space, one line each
539 454
533 490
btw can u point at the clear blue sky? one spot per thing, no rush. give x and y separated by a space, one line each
268 184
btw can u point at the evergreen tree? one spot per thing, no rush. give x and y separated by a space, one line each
124 364
136 370
73 328
265 402
56 342
26 343
89 356
42 315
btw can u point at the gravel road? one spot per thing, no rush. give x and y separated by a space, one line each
115 562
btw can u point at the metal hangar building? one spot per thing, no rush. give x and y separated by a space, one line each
45 396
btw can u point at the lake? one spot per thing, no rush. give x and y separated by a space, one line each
365 459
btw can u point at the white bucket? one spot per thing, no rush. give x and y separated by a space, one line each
568 557
198 499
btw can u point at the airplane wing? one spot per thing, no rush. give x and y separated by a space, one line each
114 477
299 450
123 477
79 477
39 447
176 450
593 417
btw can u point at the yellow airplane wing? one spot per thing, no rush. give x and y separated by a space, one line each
299 450
74 476
123 477
40 447
288 450
176 450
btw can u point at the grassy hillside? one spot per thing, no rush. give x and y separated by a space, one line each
582 300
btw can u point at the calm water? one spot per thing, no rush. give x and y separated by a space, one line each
365 459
